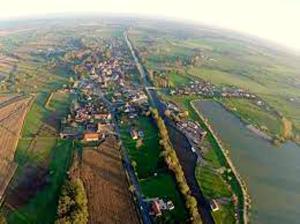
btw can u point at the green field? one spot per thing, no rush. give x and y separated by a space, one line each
177 78
147 156
164 186
154 177
40 150
43 205
253 114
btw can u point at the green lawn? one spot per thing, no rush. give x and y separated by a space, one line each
147 157
148 162
164 186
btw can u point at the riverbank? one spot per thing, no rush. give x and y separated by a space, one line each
244 198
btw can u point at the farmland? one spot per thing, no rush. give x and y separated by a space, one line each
42 162
12 112
69 92
107 189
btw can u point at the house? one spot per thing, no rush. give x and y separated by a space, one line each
102 116
90 137
214 205
134 134
103 128
69 132
155 209
160 205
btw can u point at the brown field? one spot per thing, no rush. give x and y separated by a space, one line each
109 199
12 115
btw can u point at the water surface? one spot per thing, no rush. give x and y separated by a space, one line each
272 173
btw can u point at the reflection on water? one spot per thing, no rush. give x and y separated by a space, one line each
272 172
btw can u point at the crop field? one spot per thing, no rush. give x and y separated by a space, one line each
42 161
107 189
12 113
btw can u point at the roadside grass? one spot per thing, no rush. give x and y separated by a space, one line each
164 186
253 114
43 205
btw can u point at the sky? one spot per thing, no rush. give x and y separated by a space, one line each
275 20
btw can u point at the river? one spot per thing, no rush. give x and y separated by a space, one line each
272 173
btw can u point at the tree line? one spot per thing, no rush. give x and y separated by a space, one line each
173 164
72 205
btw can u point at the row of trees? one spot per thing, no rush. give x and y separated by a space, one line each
72 205
172 161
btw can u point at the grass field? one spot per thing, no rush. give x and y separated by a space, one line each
147 156
43 205
163 186
254 114
178 79
148 164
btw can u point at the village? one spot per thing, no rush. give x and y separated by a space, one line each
207 89
106 96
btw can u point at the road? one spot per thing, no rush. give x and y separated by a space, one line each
186 158
142 205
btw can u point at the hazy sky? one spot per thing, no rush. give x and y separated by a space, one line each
277 20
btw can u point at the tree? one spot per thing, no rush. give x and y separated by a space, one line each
2 219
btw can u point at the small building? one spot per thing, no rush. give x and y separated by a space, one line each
102 116
214 205
155 209
90 137
103 128
134 134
